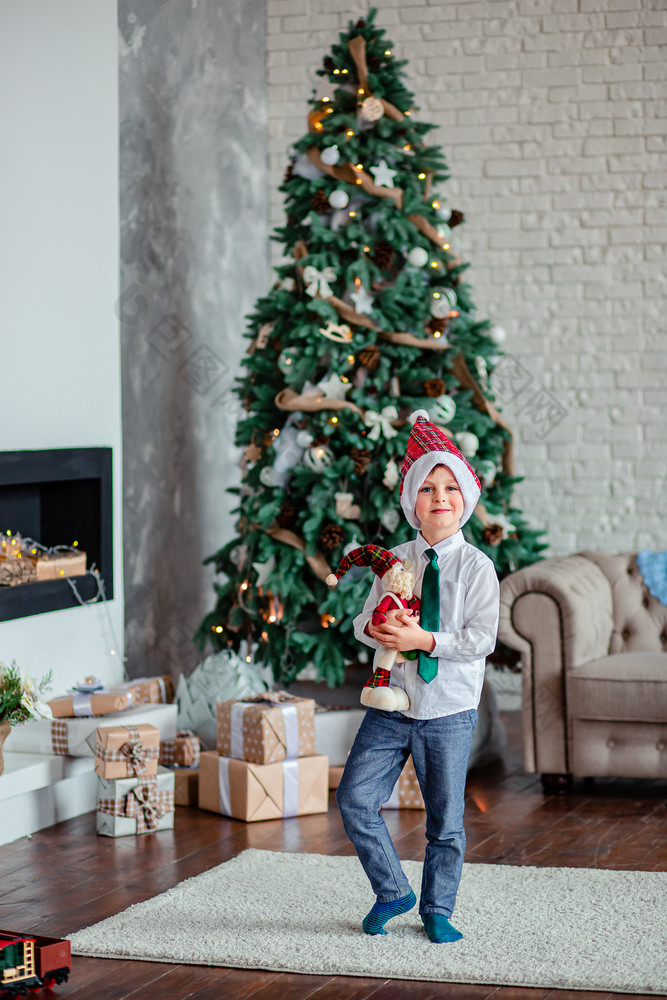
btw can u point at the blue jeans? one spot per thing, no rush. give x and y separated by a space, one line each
440 750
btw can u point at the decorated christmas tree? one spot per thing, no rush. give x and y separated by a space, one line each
370 319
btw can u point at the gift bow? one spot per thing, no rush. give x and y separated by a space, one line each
380 423
135 756
142 804
318 281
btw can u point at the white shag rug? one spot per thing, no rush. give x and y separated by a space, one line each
562 928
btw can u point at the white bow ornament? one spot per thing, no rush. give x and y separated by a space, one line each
318 281
380 423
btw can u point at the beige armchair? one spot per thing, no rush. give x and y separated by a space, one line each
593 645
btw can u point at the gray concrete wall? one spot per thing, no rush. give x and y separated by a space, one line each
194 250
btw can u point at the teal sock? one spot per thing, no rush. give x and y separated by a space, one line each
439 928
375 919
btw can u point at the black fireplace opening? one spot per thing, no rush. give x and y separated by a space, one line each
58 497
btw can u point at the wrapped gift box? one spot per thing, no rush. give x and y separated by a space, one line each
335 729
186 789
149 690
267 728
80 704
126 751
253 792
335 774
142 804
182 751
406 793
70 736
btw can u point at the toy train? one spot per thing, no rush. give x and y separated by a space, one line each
31 961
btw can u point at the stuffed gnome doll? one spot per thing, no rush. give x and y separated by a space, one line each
398 581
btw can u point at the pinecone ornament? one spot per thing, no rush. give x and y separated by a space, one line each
361 458
455 219
493 534
289 173
287 515
383 255
369 357
320 202
434 387
332 536
436 325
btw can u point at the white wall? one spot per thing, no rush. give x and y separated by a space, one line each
552 116
59 282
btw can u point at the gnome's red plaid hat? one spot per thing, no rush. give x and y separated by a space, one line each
380 560
427 447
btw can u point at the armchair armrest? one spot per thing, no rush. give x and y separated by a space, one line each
558 613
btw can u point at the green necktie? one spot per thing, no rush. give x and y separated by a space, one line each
430 613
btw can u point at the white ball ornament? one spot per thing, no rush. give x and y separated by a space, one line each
418 257
486 472
443 410
330 155
467 442
339 198
497 334
318 458
443 300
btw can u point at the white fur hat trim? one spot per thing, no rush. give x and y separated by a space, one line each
420 469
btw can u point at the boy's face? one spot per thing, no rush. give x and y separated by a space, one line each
440 505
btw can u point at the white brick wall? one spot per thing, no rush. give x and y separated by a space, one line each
553 118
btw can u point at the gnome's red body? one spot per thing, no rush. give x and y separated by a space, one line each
389 603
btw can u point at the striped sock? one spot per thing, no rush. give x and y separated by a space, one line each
376 918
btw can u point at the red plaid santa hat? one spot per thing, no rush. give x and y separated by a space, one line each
380 560
427 447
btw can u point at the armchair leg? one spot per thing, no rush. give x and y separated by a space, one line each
556 784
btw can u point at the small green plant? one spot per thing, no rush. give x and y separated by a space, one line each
20 695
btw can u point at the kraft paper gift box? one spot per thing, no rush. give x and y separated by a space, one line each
127 806
70 736
186 788
406 793
127 751
266 728
335 774
335 729
149 690
80 704
182 751
251 792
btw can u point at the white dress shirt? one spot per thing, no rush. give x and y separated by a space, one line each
469 608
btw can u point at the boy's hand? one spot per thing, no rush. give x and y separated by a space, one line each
404 635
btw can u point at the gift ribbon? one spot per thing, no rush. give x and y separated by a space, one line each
82 703
318 281
380 423
290 787
135 755
142 804
290 718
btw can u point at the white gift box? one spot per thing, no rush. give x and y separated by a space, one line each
335 729
113 795
69 736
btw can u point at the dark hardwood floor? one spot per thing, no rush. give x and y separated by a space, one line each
66 877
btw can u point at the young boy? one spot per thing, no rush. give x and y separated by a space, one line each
459 592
